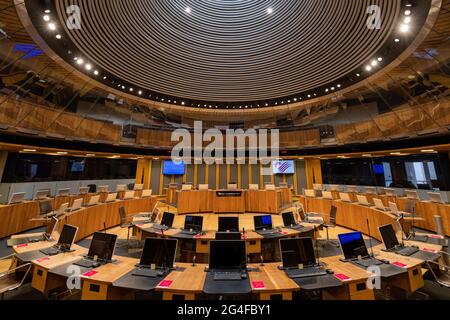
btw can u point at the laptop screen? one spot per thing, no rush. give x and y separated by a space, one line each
194 223
263 222
228 224
160 252
389 238
288 219
102 246
67 236
353 245
167 219
227 255
297 251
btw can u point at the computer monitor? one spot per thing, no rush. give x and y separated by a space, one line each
17 198
295 252
270 187
389 237
64 192
41 194
45 207
227 255
412 194
327 195
76 204
263 222
103 189
83 190
363 200
310 193
379 204
186 187
228 236
52 226
436 197
254 187
345 197
146 193
102 246
203 187
67 237
394 209
318 187
121 187
193 222
288 219
370 190
353 245
111 197
138 187
167 219
94 200
390 192
228 224
129 195
159 252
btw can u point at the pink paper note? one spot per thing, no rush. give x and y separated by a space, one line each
342 277
165 283
258 284
42 259
22 245
90 273
399 264
430 250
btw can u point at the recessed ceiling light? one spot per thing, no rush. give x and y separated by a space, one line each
80 61
96 72
47 11
88 67
374 63
407 12
29 150
140 92
407 20
52 26
269 10
46 18
380 59
404 28
62 153
368 68
188 10
58 36
397 40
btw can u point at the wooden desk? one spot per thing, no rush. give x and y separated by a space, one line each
98 286
185 284
263 201
275 283
227 204
195 201
43 281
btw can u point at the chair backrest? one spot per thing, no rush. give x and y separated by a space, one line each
270 187
232 186
92 188
439 225
253 187
310 193
122 215
138 187
45 206
203 187
410 206
333 212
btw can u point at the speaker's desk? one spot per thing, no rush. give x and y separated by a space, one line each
233 201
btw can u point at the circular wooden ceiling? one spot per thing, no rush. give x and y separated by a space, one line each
229 51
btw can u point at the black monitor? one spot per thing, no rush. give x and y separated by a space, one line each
227 255
230 224
193 222
167 219
288 219
228 236
45 207
102 246
297 251
389 238
353 245
263 222
160 252
67 237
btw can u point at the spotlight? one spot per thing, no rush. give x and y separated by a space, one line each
58 36
52 26
88 67
368 68
80 61
404 28
46 18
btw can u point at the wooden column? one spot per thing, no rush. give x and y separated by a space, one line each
313 172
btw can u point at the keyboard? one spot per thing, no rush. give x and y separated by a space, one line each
227 276
305 273
87 263
160 227
368 262
407 251
145 272
420 238
188 232
267 232
50 251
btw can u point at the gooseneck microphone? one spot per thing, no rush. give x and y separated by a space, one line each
370 239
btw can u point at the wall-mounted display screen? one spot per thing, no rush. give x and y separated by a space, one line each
171 168
77 166
283 167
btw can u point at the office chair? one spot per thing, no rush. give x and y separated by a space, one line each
46 208
92 188
439 230
14 277
124 223
331 224
310 217
440 272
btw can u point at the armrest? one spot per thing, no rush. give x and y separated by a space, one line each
8 257
27 265
441 266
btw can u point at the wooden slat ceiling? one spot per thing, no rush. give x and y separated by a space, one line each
438 38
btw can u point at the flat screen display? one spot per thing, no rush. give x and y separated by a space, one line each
228 224
297 251
226 255
288 219
378 169
102 246
263 222
283 167
77 166
167 219
193 222
160 252
171 168
353 245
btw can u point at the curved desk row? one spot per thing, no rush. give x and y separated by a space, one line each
17 218
114 281
424 209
